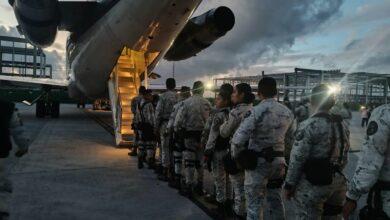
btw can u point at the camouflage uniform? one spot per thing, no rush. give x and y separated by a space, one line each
207 128
265 127
145 114
315 139
374 165
217 166
227 129
22 142
192 119
135 103
339 109
179 142
163 110
302 112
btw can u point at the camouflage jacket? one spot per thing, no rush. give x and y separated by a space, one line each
266 125
219 118
374 163
194 114
207 127
145 113
302 112
135 102
314 139
236 116
164 107
173 115
17 131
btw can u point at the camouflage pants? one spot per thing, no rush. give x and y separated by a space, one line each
5 188
256 186
219 174
146 150
276 208
165 151
193 160
239 193
320 202
178 161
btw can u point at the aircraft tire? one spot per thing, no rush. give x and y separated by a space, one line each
40 109
55 110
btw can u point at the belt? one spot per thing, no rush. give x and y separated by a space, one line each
273 154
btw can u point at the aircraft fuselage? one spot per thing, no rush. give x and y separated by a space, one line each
150 26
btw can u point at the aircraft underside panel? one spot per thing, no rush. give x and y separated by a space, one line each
123 85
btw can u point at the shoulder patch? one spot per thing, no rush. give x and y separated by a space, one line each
299 136
372 128
217 120
247 114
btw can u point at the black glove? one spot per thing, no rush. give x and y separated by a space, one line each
20 153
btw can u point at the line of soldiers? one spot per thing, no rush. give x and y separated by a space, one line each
11 131
256 153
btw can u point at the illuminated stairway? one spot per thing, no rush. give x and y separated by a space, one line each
123 86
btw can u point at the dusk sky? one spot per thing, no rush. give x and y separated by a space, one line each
276 36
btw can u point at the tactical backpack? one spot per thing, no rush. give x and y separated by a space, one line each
320 171
374 208
146 128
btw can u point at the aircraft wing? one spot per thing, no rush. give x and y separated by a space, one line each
29 81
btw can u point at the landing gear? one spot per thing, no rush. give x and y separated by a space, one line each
40 110
55 110
47 108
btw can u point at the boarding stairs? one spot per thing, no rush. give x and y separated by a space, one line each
125 79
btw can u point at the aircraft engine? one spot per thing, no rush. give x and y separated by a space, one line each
201 32
38 20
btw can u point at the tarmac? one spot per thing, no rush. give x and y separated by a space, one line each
73 171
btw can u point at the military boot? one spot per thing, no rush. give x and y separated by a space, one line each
164 175
210 198
238 217
199 189
158 169
186 190
228 208
151 164
4 215
219 211
140 163
133 153
175 181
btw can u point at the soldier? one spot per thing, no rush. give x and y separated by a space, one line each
192 119
373 169
242 99
10 126
163 110
343 110
135 103
177 138
264 128
145 120
216 150
319 154
302 111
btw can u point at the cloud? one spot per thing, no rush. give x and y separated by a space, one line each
263 28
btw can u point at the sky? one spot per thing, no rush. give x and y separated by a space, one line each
275 36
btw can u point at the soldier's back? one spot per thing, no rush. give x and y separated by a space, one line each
197 111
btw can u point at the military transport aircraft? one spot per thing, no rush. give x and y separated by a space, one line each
114 45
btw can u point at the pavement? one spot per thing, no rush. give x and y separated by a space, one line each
73 171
